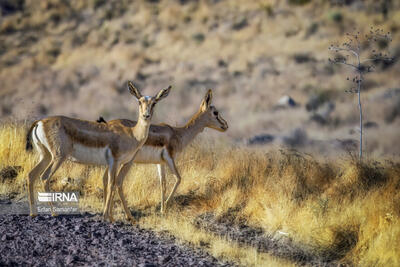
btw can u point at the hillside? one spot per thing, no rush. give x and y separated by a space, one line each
75 57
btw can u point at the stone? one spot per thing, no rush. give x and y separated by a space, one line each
286 101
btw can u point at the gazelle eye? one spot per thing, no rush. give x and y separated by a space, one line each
215 113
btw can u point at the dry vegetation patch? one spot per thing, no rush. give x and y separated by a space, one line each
342 211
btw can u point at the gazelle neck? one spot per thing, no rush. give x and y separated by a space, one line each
141 129
192 128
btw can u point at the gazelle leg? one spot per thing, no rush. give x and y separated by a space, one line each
110 189
105 177
53 167
105 182
171 164
120 179
121 175
161 175
33 174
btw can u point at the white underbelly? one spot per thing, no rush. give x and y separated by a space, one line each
89 155
149 154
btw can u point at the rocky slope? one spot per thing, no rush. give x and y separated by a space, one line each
86 240
75 57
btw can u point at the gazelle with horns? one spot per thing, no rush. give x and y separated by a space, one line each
59 138
165 141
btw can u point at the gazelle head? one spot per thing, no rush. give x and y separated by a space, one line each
147 103
213 118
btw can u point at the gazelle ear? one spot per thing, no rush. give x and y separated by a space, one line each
163 93
133 90
205 104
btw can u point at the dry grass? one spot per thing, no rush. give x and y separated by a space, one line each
341 209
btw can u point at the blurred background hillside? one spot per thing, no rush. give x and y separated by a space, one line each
266 60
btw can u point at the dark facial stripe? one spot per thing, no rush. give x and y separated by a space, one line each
222 121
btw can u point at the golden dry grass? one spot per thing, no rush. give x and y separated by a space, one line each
341 209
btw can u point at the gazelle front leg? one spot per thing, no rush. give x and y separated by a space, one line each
112 170
120 179
105 183
171 164
161 175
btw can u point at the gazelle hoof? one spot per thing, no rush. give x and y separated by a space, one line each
108 218
33 215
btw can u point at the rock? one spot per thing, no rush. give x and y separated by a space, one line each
261 139
286 101
71 241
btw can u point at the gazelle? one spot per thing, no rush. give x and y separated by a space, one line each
59 138
165 141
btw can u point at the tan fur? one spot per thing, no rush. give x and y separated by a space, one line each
175 139
58 138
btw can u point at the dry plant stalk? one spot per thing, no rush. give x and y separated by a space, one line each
349 54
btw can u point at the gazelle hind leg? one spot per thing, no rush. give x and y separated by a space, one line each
105 177
33 175
171 164
161 175
53 167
